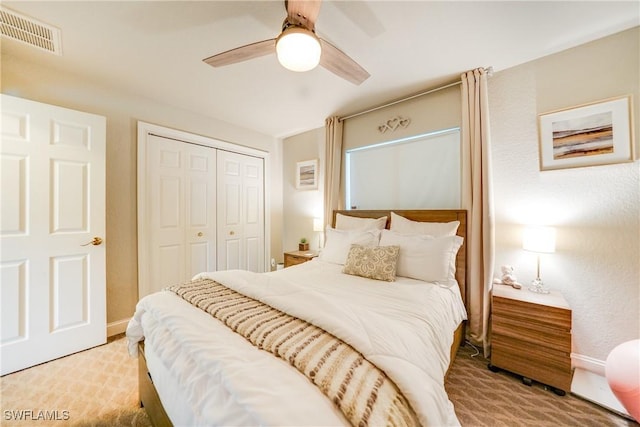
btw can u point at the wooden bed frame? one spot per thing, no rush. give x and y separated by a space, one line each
431 216
149 398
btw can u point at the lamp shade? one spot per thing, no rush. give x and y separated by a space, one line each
298 49
317 224
539 239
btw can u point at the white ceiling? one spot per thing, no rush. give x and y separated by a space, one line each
155 49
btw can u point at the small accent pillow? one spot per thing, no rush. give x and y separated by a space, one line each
346 222
400 224
372 262
425 257
338 242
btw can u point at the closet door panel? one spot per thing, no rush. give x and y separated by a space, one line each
200 232
170 265
199 258
253 191
240 212
166 220
182 211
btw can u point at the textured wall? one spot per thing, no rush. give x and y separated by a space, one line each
596 209
301 206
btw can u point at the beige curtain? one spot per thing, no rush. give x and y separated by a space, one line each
333 167
478 201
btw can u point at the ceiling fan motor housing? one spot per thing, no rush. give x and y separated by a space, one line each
298 49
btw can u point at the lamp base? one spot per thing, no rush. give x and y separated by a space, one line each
538 287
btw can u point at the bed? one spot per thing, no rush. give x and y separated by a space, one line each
198 367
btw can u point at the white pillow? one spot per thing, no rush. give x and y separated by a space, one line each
422 257
346 222
403 225
338 242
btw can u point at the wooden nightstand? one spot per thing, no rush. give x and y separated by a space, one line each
298 257
531 336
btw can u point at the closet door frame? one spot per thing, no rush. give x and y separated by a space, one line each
146 129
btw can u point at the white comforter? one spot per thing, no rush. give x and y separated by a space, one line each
405 328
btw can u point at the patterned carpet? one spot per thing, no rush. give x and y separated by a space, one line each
98 387
485 398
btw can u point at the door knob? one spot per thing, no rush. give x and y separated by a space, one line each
95 242
232 232
200 234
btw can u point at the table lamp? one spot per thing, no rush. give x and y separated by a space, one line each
539 240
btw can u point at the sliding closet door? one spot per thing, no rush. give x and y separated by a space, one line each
181 211
240 212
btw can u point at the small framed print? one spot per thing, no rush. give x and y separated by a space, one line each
598 133
307 175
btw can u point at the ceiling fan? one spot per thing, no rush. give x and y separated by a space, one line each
297 47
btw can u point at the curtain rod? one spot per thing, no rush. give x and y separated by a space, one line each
489 71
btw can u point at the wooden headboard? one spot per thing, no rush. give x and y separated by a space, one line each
426 216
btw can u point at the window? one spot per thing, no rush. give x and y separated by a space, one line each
418 172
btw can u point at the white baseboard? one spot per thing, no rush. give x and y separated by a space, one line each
590 383
118 327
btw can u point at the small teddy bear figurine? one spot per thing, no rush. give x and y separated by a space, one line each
508 278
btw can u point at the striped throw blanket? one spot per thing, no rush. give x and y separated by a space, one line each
364 394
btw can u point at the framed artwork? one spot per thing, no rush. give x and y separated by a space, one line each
598 133
307 175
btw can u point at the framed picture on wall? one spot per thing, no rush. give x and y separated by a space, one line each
307 175
599 133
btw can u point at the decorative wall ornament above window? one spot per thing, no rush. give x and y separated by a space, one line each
393 124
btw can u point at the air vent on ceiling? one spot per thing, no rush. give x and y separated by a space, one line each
30 31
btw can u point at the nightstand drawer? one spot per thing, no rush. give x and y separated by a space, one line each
298 257
532 333
515 348
532 314
293 260
547 367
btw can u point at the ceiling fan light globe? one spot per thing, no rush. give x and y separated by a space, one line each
298 49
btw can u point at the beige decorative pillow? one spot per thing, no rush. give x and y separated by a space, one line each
373 262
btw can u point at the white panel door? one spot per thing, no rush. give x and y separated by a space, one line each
240 212
52 261
181 211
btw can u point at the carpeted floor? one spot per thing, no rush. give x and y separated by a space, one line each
485 398
98 387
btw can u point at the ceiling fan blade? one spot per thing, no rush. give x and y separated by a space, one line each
339 63
243 53
303 12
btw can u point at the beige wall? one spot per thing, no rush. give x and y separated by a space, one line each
436 111
596 210
301 206
31 81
